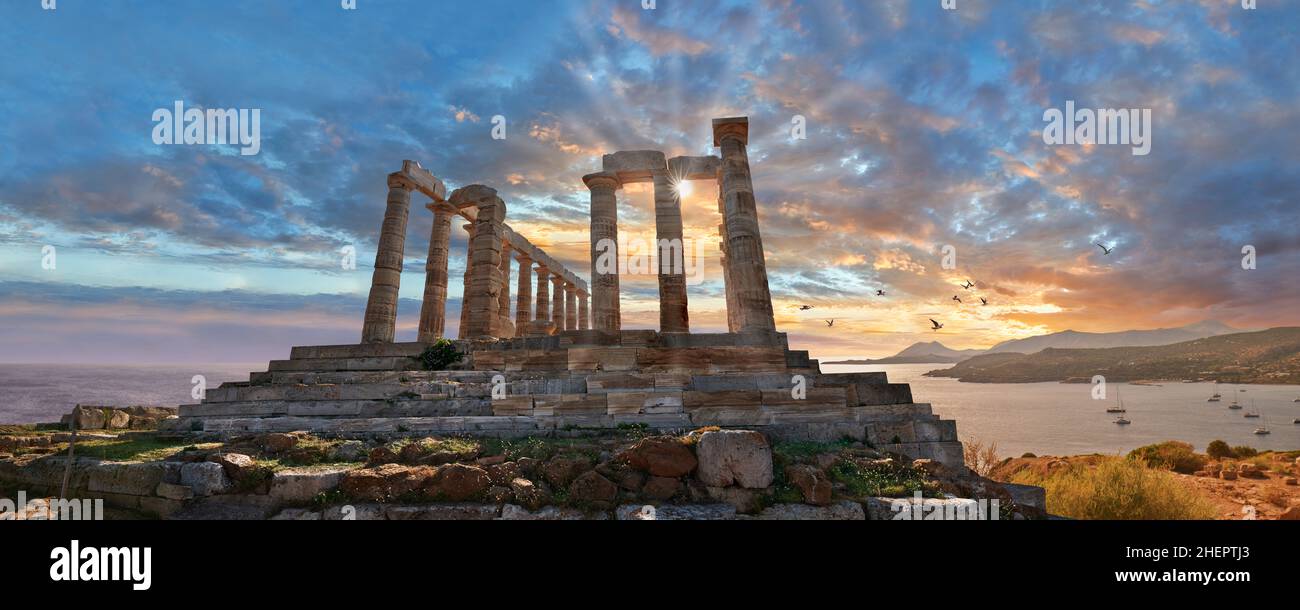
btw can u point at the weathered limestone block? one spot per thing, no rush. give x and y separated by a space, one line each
840 511
205 478
513 405
740 457
661 456
297 514
131 478
513 512
172 491
354 512
301 485
911 508
630 403
599 383
602 359
443 512
700 512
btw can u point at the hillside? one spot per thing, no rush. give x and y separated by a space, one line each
1071 339
921 353
1269 356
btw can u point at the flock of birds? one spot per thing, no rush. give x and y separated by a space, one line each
936 325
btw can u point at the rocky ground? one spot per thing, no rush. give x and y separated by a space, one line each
706 474
1259 487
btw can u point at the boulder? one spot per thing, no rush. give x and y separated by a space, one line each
237 465
300 486
812 483
499 494
1289 481
1291 514
560 471
458 482
739 457
503 474
382 455
277 442
661 456
528 494
660 488
89 417
205 478
389 481
348 451
117 419
592 489
743 500
1228 475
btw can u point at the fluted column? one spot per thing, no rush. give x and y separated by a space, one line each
380 322
570 307
524 300
503 309
464 295
557 302
584 320
728 285
485 270
604 250
543 313
744 240
671 252
433 311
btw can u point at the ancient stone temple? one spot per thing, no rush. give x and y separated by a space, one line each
564 365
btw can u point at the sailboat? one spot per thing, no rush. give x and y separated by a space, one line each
1217 396
1252 412
1119 404
1235 404
1122 421
1263 429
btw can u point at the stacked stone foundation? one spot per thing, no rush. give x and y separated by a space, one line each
576 383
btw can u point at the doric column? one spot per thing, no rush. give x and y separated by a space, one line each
671 253
604 250
728 285
584 320
557 302
744 240
485 270
380 323
524 300
570 306
465 284
543 313
433 312
503 309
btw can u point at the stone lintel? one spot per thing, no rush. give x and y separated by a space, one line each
694 168
738 126
423 181
632 166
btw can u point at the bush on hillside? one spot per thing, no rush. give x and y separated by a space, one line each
1170 455
1118 488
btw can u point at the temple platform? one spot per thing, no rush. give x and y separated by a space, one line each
574 383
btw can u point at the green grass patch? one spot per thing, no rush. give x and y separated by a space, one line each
889 480
141 447
792 452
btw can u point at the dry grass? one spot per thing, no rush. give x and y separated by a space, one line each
980 458
1118 489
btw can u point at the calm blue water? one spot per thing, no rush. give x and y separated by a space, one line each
1062 419
31 393
1044 418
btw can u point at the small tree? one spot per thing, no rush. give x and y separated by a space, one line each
440 355
1219 450
980 458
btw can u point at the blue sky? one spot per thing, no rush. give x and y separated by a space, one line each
922 132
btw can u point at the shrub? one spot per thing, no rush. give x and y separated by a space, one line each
1242 451
440 355
1219 450
980 458
1169 455
1118 489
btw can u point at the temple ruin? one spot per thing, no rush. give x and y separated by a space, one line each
559 368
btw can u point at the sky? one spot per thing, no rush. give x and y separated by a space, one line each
922 129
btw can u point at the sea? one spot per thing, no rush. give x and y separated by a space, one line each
1039 418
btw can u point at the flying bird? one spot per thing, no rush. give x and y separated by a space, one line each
968 285
936 324
984 301
880 293
805 307
956 298
1104 249
830 322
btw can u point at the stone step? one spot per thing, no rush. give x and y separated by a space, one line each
352 391
390 363
451 407
359 377
363 350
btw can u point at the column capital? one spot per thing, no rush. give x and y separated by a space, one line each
523 258
602 179
441 208
732 127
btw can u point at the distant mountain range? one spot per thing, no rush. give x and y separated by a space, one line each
935 352
1268 356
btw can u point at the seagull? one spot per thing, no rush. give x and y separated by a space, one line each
936 324
956 298
968 285
880 293
830 322
984 301
1104 249
805 307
